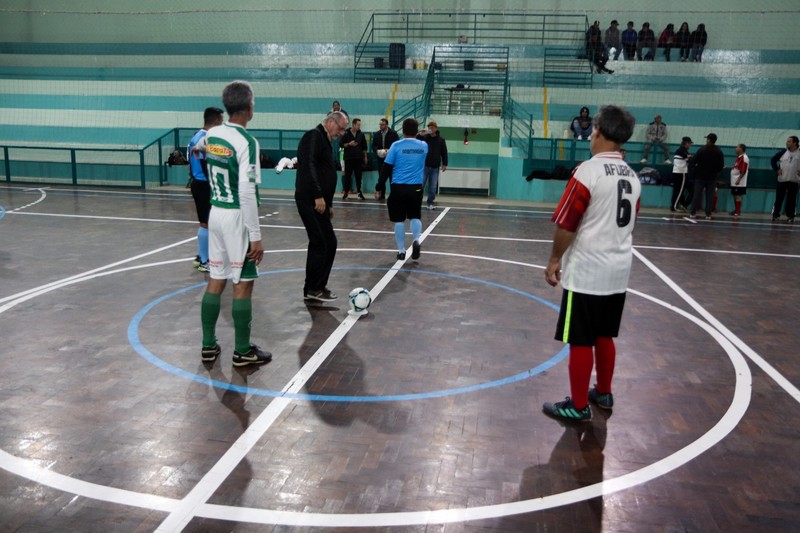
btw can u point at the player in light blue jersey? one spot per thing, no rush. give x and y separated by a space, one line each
201 191
404 163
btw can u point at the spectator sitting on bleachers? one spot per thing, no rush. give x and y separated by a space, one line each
656 134
629 37
698 38
646 39
683 40
582 125
612 40
667 40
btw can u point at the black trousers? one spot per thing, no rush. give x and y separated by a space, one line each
710 186
787 190
351 166
321 245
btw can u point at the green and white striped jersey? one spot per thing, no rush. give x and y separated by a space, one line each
233 162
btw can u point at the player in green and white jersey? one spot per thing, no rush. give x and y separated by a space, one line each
235 247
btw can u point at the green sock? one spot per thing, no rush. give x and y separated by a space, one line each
242 318
209 313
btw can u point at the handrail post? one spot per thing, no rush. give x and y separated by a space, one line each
141 168
7 163
74 166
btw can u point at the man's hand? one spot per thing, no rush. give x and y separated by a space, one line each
444 167
553 272
256 253
319 205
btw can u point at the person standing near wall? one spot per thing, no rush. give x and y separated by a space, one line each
201 190
315 185
593 241
437 156
708 162
382 140
739 178
683 41
788 181
355 157
680 169
235 247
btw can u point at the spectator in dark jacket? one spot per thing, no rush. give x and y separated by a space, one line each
698 38
437 156
315 186
708 162
683 41
646 39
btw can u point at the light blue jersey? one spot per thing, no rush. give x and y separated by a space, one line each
196 158
407 157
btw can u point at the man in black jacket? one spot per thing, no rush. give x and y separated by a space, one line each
437 155
382 140
355 157
315 186
708 162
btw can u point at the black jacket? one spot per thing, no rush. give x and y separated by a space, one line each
354 152
437 150
379 143
708 162
316 169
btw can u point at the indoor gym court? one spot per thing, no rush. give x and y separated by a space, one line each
424 415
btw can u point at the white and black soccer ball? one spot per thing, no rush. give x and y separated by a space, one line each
359 299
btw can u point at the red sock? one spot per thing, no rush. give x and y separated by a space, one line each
738 202
581 360
605 358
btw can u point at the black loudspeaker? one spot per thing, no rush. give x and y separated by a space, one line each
378 62
469 64
397 55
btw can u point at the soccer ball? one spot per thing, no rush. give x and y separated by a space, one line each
359 300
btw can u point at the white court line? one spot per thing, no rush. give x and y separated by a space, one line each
189 507
90 272
784 383
42 196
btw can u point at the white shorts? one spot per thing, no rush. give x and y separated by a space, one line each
228 243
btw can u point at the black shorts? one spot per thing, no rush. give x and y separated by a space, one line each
201 192
738 191
405 201
584 317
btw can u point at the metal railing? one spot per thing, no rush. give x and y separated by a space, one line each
121 167
518 127
476 28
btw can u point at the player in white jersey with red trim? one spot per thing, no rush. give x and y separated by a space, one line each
593 241
235 247
739 178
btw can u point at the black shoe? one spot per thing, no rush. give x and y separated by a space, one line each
416 249
790 220
330 295
344 196
609 71
253 356
361 196
322 295
401 256
209 354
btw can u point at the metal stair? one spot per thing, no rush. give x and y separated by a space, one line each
566 66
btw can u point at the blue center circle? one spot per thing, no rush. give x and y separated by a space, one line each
133 338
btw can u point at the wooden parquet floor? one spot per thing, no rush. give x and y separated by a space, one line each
424 415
